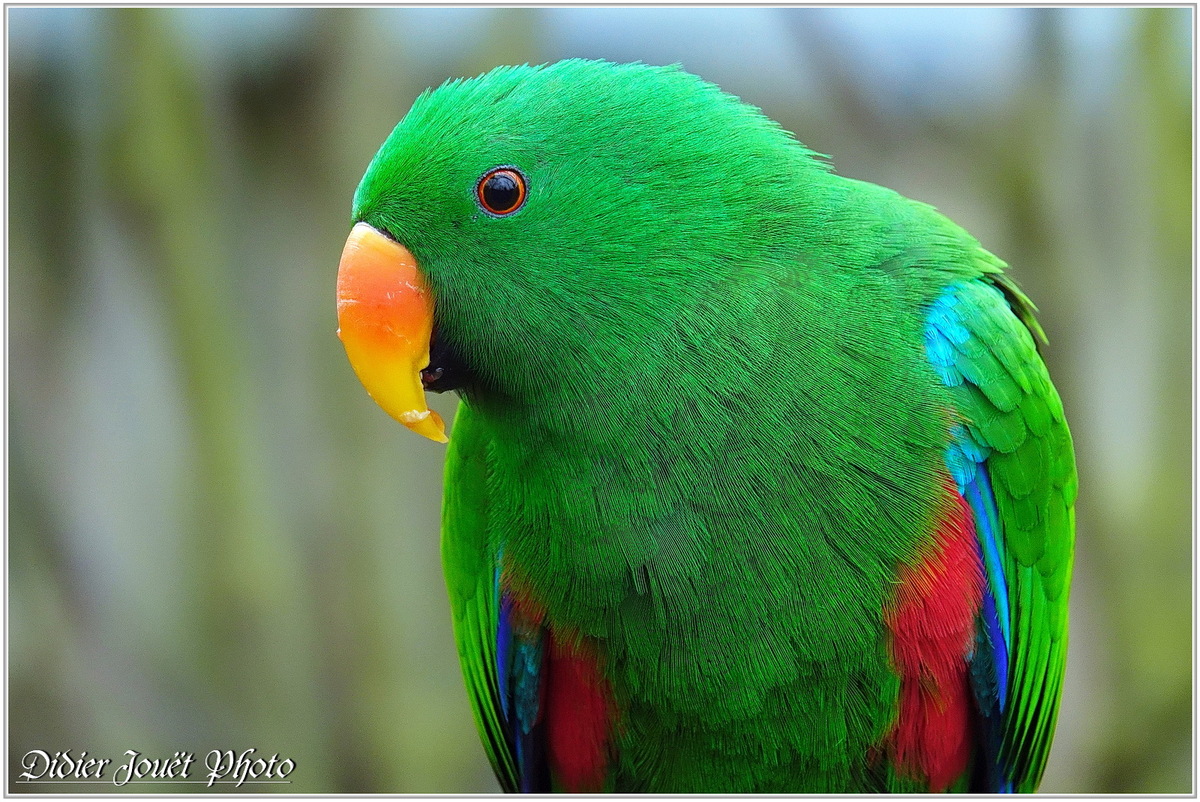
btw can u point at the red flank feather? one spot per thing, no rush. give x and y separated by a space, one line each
932 622
578 719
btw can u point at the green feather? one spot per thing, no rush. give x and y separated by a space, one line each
470 559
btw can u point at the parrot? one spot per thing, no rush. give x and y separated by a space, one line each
757 481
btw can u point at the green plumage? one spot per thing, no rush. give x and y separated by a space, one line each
704 433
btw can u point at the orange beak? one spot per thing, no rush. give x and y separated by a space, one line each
385 319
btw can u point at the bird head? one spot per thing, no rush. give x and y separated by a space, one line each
546 233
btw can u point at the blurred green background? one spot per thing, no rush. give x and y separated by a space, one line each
217 541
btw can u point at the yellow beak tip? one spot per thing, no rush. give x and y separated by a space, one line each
426 423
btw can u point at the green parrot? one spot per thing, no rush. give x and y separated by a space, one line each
757 483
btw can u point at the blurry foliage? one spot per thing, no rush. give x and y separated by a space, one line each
216 541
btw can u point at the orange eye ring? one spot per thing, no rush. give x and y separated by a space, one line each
501 191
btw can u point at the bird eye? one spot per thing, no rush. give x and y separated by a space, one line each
501 191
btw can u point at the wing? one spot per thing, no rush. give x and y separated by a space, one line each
1013 461
471 563
504 646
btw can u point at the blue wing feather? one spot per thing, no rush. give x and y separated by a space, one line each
521 675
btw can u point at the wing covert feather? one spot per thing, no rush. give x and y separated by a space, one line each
469 560
1012 433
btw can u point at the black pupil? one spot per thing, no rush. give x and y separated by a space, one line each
501 193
